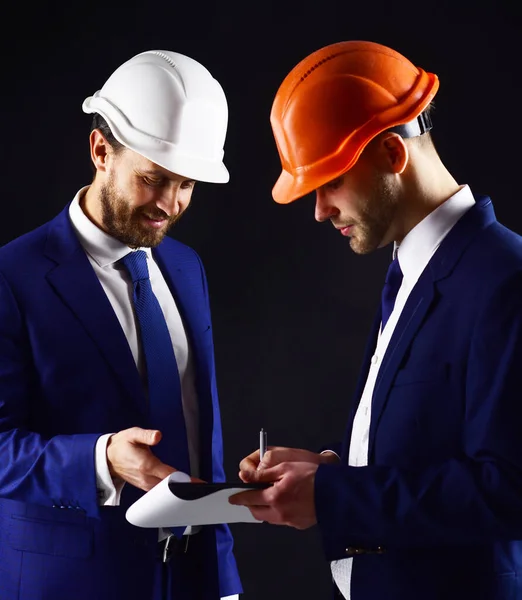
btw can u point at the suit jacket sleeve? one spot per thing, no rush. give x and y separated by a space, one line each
474 497
57 470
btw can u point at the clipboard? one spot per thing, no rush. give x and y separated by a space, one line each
177 502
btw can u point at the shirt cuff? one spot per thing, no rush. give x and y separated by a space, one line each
109 490
234 597
330 452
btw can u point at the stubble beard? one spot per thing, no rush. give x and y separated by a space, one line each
375 219
125 224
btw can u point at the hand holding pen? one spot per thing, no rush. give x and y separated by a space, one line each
291 471
276 455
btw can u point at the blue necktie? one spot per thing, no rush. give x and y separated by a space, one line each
164 389
392 285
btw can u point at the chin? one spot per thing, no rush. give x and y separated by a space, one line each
361 247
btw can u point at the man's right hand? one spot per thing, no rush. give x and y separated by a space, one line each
276 455
130 458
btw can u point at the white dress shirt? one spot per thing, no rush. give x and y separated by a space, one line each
414 253
104 252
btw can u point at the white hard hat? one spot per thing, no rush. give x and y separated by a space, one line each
168 108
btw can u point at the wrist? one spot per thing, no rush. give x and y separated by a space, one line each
328 458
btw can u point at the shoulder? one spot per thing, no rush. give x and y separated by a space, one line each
28 255
175 251
497 251
28 246
489 269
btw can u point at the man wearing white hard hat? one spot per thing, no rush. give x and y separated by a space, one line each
107 376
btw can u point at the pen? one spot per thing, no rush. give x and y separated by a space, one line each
262 444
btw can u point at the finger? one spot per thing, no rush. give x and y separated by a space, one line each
149 437
250 462
252 472
266 514
276 455
250 498
265 463
196 480
264 475
248 476
160 471
270 458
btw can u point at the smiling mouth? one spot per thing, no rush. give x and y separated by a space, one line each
346 230
155 222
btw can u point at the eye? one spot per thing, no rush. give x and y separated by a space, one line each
153 182
334 184
188 184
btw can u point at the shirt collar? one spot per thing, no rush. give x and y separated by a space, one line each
422 241
100 246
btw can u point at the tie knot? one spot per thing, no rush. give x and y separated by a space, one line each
136 264
394 274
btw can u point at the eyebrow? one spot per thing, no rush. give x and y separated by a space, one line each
157 173
154 172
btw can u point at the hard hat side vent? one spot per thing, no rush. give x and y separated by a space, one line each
166 58
318 64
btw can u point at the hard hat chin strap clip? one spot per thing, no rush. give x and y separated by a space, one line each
420 125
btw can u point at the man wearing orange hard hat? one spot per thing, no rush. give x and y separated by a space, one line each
423 499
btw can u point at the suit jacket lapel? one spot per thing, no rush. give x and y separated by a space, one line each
422 298
412 316
75 281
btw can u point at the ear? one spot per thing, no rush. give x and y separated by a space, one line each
99 150
396 152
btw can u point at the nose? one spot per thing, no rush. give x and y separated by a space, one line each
324 210
170 201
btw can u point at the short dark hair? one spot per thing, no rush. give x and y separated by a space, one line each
98 122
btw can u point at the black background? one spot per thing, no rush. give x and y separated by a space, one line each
292 305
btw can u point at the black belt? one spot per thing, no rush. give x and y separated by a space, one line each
172 546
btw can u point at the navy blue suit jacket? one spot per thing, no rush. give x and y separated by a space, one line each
437 512
67 376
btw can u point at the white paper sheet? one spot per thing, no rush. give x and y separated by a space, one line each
159 507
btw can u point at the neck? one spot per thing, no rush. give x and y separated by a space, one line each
427 185
90 204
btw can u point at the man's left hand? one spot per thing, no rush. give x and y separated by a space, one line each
289 501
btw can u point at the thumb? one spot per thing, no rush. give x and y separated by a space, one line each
250 473
262 475
149 437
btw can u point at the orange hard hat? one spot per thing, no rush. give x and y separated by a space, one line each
334 102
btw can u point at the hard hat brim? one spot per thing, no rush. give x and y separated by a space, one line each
287 188
198 170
